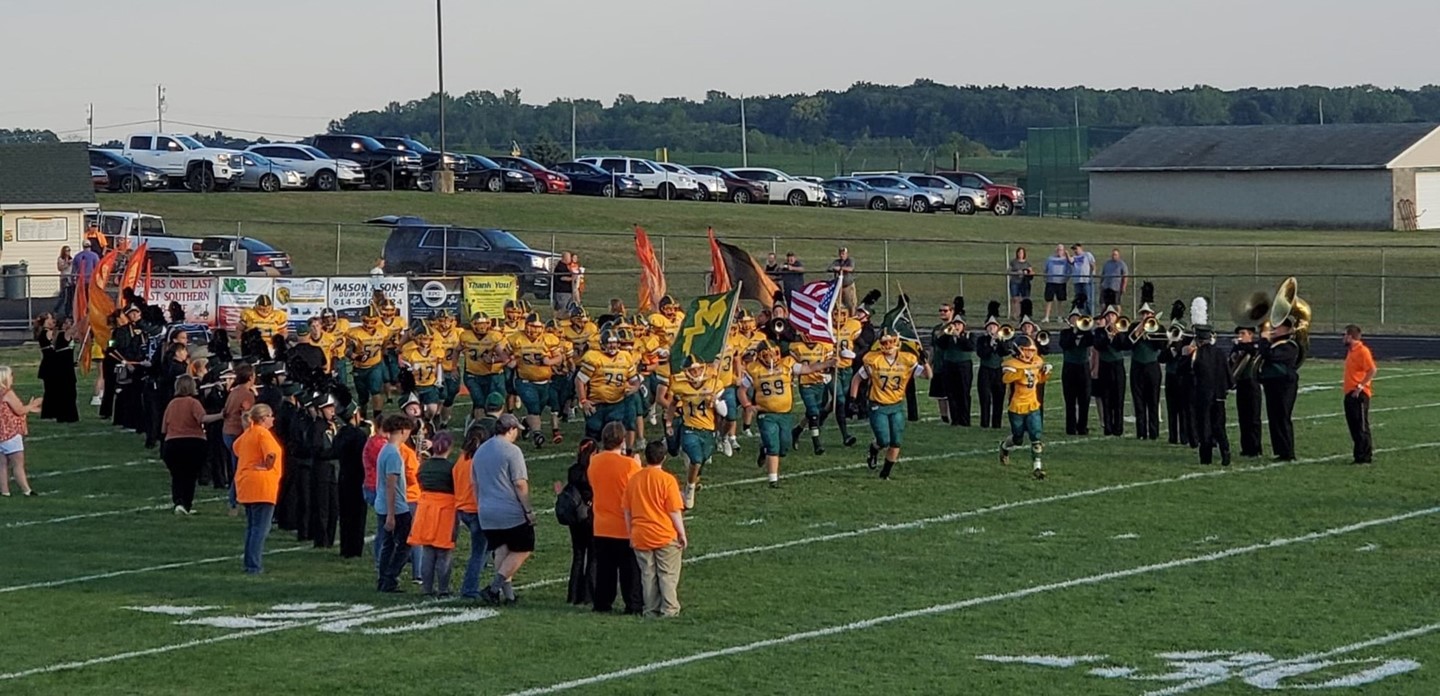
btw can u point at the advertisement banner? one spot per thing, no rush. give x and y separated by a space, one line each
237 294
196 295
428 297
488 294
301 299
350 296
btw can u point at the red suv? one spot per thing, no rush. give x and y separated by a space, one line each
999 198
546 180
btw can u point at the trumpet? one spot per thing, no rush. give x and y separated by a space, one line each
1005 333
955 328
777 326
1150 326
1084 323
1042 338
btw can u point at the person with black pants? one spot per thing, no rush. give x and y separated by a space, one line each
349 446
1110 375
1075 373
988 385
609 473
1280 359
324 506
1210 375
127 349
1145 384
182 424
954 359
581 590
1359 373
1177 394
1244 366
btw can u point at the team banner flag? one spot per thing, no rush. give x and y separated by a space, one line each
652 279
899 319
704 330
811 308
740 269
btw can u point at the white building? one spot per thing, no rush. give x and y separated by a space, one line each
1365 176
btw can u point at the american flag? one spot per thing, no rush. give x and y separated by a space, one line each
810 310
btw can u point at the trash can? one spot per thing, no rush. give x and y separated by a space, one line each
16 281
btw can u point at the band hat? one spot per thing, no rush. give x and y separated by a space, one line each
1146 308
1111 309
412 399
1246 327
1204 332
1075 312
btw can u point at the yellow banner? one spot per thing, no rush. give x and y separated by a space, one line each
488 294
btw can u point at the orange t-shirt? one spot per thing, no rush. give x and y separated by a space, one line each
253 484
1358 363
464 486
412 473
609 473
652 495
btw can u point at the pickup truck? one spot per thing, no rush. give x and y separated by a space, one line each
166 251
385 168
184 160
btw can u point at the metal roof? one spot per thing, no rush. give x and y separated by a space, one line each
45 173
1256 148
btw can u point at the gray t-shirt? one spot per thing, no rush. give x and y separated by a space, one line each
496 467
1017 270
1082 266
1111 275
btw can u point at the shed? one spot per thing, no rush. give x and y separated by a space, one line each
45 189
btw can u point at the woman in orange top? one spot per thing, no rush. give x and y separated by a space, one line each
467 510
257 480
433 530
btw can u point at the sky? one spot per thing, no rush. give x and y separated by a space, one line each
286 68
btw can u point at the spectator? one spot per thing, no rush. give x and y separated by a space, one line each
578 271
13 429
433 529
772 268
186 449
257 481
84 264
844 268
377 275
1057 274
562 282
1021 274
1115 275
467 512
1082 270
237 404
582 532
1359 374
657 531
392 509
502 492
792 274
65 266
609 473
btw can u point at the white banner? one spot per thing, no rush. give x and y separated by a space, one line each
196 294
237 294
350 296
301 299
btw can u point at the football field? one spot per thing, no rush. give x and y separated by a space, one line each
1130 570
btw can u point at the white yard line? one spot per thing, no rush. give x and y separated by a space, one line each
973 602
101 513
87 433
88 469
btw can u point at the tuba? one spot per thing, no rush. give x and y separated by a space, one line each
1269 310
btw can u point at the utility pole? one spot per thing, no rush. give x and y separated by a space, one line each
90 122
159 108
1322 111
744 149
444 180
572 129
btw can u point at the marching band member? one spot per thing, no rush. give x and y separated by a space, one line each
366 350
1177 386
991 351
771 378
696 400
1109 384
1076 340
954 351
1244 368
485 353
1280 359
1210 375
1025 373
534 356
888 371
814 388
1144 352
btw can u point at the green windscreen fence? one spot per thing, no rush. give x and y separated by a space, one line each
1054 184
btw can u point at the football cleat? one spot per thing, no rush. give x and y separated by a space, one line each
1038 473
1004 454
850 441
556 437
538 439
872 457
727 446
687 496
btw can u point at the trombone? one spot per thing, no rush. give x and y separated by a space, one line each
1005 333
1042 338
1084 322
1177 333
1144 330
1121 325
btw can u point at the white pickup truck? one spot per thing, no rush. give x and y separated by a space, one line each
165 251
187 161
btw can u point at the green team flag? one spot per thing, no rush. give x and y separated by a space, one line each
704 330
899 319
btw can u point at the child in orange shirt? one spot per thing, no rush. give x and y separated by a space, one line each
653 517
434 528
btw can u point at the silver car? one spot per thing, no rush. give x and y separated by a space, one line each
323 172
712 186
962 200
858 194
261 174
920 200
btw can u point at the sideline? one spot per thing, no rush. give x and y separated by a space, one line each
974 602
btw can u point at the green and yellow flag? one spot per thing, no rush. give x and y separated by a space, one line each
703 332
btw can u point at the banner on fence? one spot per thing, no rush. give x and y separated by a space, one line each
488 294
428 297
195 294
237 294
350 296
301 299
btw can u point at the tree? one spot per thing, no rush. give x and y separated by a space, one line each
547 152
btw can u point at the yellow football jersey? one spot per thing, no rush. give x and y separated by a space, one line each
509 329
584 338
394 331
845 336
333 341
530 356
608 377
696 401
426 366
366 347
273 323
482 355
888 378
668 327
1024 378
774 392
811 353
449 345
651 346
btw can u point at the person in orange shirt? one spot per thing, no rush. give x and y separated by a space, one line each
467 510
653 516
433 529
609 472
1359 373
259 463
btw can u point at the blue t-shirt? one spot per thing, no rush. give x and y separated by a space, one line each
495 469
1082 267
1057 269
388 464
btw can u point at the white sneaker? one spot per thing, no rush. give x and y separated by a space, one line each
96 401
688 496
654 419
180 510
727 447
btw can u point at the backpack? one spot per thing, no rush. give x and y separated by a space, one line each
571 508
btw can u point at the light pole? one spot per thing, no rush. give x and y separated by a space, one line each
444 178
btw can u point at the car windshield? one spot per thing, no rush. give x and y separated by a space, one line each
984 179
528 162
782 176
369 143
189 142
500 239
585 168
257 158
415 145
313 152
484 161
253 245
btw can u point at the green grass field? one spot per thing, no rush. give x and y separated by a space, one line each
933 257
1131 570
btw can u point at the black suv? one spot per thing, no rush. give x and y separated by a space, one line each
429 159
417 247
385 168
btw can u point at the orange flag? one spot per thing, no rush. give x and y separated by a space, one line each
652 279
719 273
134 267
